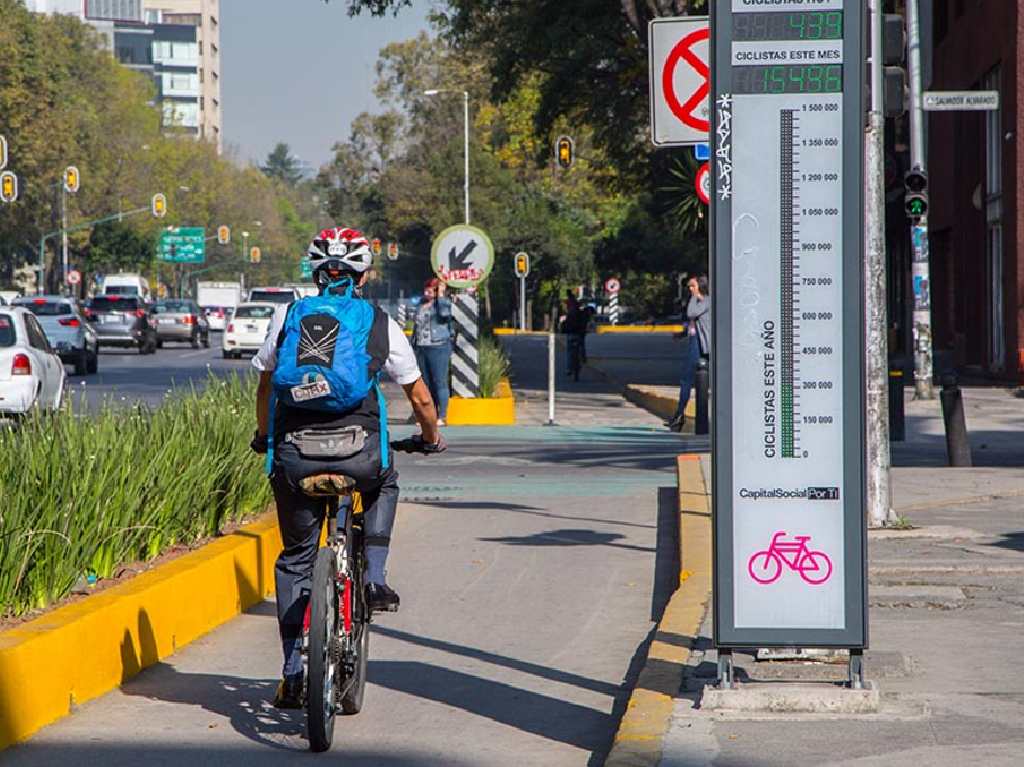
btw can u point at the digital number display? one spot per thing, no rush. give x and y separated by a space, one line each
799 25
788 78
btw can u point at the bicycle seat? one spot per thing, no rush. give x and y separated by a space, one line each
327 485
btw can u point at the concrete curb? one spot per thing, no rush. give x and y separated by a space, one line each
85 649
651 400
638 742
484 411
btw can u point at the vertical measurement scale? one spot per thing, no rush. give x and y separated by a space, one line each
787 169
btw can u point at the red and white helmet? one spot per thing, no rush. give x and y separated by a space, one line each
340 248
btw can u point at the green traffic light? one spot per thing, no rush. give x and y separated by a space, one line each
916 206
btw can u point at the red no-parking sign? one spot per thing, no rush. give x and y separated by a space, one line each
679 80
702 182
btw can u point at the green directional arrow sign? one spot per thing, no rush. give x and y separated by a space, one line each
183 245
305 269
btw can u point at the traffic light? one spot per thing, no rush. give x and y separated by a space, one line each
159 206
915 201
223 235
375 246
392 251
255 255
71 179
894 78
565 152
522 265
8 187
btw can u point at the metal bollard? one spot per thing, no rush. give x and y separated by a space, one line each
702 383
958 445
897 412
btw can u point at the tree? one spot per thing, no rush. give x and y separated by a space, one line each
281 165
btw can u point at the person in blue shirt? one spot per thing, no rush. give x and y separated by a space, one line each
432 342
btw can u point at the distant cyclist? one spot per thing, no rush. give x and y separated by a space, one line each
318 386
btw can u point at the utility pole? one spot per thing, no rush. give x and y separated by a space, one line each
879 504
923 388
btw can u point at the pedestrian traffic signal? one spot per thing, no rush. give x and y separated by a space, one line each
8 187
894 78
255 255
159 207
915 201
565 152
223 235
71 179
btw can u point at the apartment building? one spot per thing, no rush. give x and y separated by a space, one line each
204 16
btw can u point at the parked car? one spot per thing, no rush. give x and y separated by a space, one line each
31 374
67 330
122 321
181 319
273 295
247 329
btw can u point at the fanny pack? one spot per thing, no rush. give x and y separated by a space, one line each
332 443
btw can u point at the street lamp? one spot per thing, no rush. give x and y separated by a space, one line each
465 108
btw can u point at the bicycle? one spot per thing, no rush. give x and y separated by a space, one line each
336 632
813 566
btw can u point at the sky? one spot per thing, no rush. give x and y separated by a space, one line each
299 71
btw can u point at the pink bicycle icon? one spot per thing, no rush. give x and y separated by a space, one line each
766 566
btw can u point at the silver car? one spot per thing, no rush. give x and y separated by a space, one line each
179 319
69 333
122 321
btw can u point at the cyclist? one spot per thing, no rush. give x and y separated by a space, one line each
340 259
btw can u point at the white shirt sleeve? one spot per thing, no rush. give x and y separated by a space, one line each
265 360
401 365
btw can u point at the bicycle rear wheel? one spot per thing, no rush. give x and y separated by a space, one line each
323 628
352 700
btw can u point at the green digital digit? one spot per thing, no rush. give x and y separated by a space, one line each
796 23
815 26
814 83
777 80
834 25
833 78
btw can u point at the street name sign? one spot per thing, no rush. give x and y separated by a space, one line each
959 101
787 222
183 245
678 75
462 256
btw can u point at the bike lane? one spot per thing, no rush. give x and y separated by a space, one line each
524 558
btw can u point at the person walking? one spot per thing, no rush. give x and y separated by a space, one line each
432 342
574 325
697 331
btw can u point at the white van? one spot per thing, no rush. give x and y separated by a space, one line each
125 285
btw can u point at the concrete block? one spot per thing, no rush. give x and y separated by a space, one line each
791 699
820 654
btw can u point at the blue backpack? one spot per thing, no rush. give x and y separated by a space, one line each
322 359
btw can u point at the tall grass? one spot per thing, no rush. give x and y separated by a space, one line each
81 495
494 365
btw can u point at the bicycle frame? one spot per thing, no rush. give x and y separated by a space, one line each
797 548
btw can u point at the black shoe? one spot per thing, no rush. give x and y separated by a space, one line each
381 598
676 424
289 693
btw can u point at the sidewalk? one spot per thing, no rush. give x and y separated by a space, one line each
946 605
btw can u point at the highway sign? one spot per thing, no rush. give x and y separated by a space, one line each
679 80
787 238
74 277
702 182
8 186
3 152
182 245
462 256
701 152
522 265
959 101
305 268
611 285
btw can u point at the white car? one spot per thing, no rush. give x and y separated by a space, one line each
247 328
31 374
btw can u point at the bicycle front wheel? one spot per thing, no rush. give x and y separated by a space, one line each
323 630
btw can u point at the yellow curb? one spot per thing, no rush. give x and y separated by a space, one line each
516 332
661 405
603 329
484 411
638 742
85 649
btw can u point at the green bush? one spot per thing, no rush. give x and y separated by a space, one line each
81 495
494 366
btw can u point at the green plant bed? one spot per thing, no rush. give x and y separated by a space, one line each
494 365
81 495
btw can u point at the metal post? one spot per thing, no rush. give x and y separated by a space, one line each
64 237
958 445
878 498
522 303
465 105
702 383
551 377
41 272
923 388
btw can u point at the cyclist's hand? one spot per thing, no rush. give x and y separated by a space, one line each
259 443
